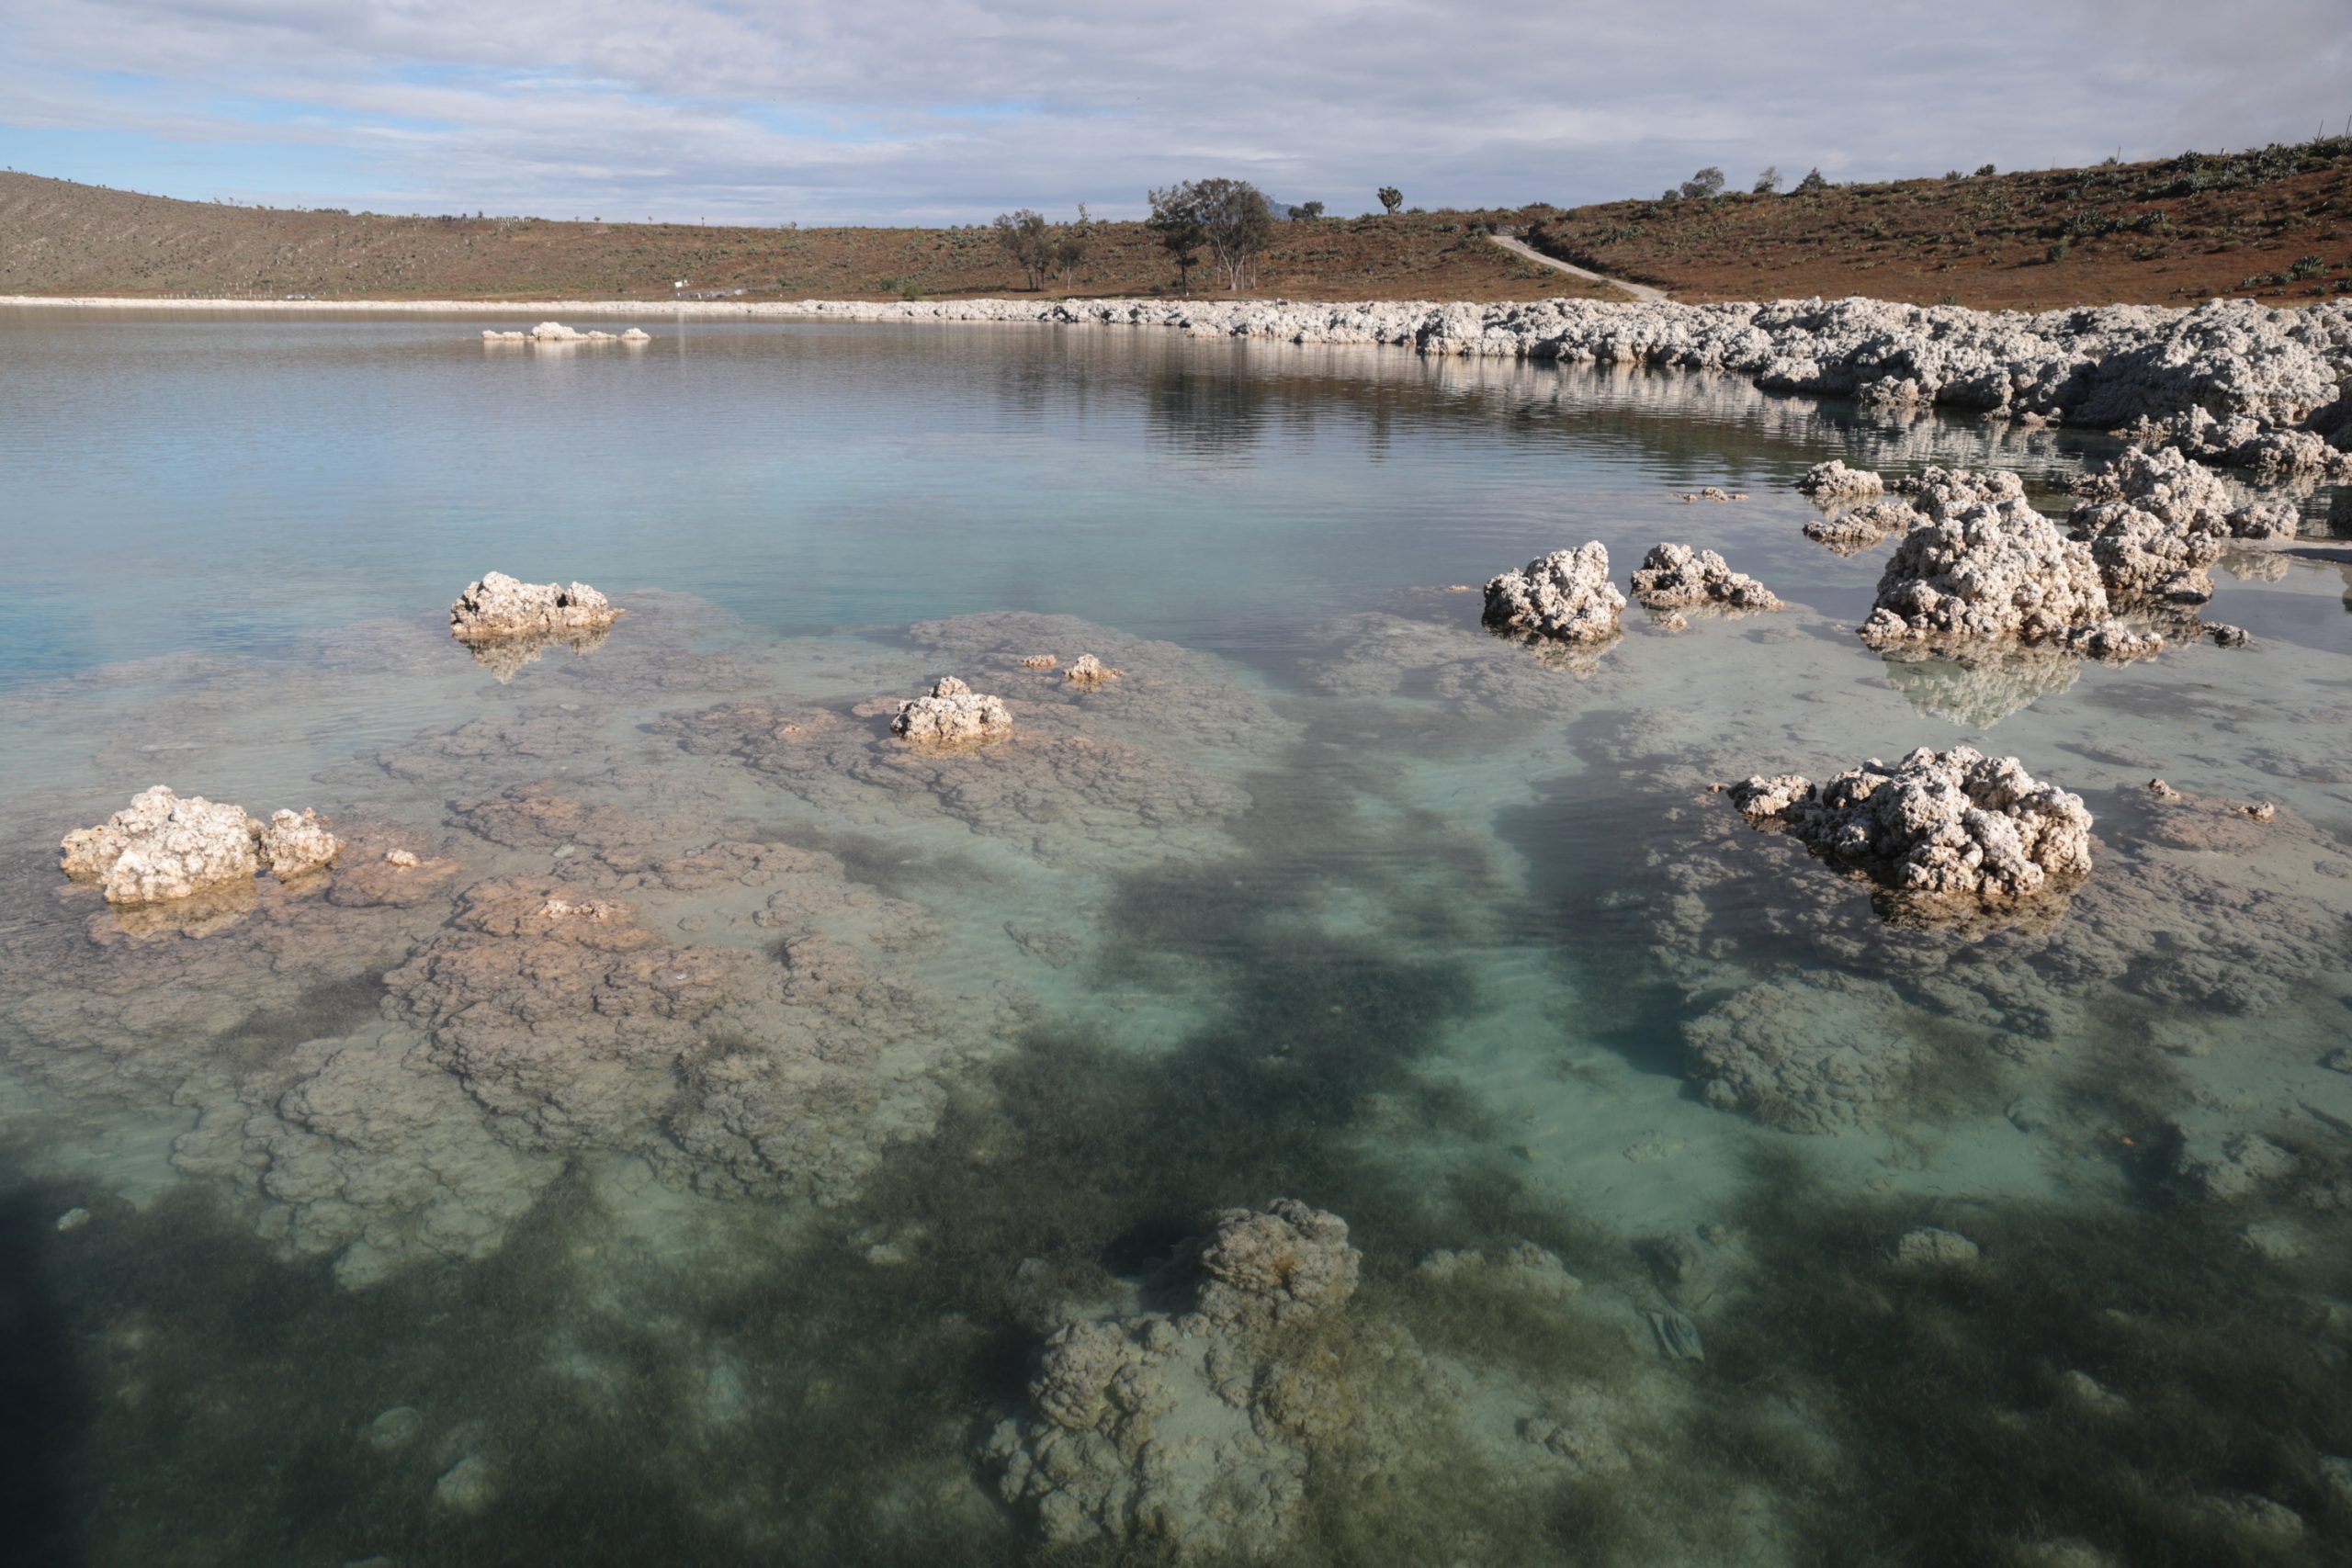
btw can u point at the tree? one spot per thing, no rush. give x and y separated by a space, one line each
1811 183
1705 185
1984 171
1306 212
1027 238
1391 198
1237 223
1768 183
1071 242
1175 222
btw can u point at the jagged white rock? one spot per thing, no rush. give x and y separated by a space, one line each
1859 527
296 843
1955 824
501 607
1673 576
1565 595
1834 481
163 847
1997 571
1089 670
1939 494
952 711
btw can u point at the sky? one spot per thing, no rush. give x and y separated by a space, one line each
937 111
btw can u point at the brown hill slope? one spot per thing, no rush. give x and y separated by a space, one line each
57 237
2276 223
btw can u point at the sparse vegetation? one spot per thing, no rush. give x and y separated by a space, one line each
1811 183
1391 198
1026 237
1704 186
1767 184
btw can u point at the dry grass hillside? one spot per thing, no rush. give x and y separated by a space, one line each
57 237
2276 223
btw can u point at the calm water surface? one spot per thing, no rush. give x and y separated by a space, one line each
392 1219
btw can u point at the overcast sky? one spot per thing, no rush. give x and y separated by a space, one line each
947 110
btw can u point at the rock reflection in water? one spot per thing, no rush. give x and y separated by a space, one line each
504 656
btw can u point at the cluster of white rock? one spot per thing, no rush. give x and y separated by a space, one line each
1955 824
2103 368
952 711
556 332
1677 577
1566 596
1833 482
1190 1428
2274 455
162 847
501 606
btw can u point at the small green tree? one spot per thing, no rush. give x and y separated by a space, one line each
1704 186
1811 183
1984 171
1768 183
1027 238
1070 242
1236 221
1391 198
1175 223
1306 212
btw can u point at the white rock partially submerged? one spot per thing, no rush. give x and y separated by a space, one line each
556 332
1952 825
501 606
163 847
952 712
1677 577
1859 527
1832 482
1994 573
1566 596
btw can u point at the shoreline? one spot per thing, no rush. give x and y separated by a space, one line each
2232 381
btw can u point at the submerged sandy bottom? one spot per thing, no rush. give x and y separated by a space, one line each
397 1217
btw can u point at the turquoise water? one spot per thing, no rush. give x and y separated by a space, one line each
388 1218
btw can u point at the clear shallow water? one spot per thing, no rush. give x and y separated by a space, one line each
733 1234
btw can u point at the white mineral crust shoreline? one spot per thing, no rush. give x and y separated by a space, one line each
2103 365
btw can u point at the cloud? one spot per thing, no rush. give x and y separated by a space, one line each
932 110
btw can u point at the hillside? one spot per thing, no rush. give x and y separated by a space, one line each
57 237
2277 224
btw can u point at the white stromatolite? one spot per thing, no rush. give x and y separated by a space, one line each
1994 573
1676 576
1955 824
502 606
952 711
1566 596
1833 481
164 846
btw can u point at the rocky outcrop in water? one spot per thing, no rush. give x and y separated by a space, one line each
1940 493
1952 825
2104 366
1832 482
2273 457
952 712
499 606
1991 572
1566 596
1857 528
161 847
1677 577
556 333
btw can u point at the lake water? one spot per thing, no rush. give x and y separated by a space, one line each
391 1220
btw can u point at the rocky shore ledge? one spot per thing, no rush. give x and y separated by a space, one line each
2229 367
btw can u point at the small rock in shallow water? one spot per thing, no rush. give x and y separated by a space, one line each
404 859
1925 1246
72 1219
395 1429
468 1488
2223 634
1089 670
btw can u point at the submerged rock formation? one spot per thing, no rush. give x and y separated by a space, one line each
1190 1428
1087 671
1859 527
499 606
161 847
1939 494
1941 825
1675 577
952 712
1566 596
2155 520
1994 573
1833 482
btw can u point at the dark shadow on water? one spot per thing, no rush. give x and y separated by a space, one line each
41 1397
